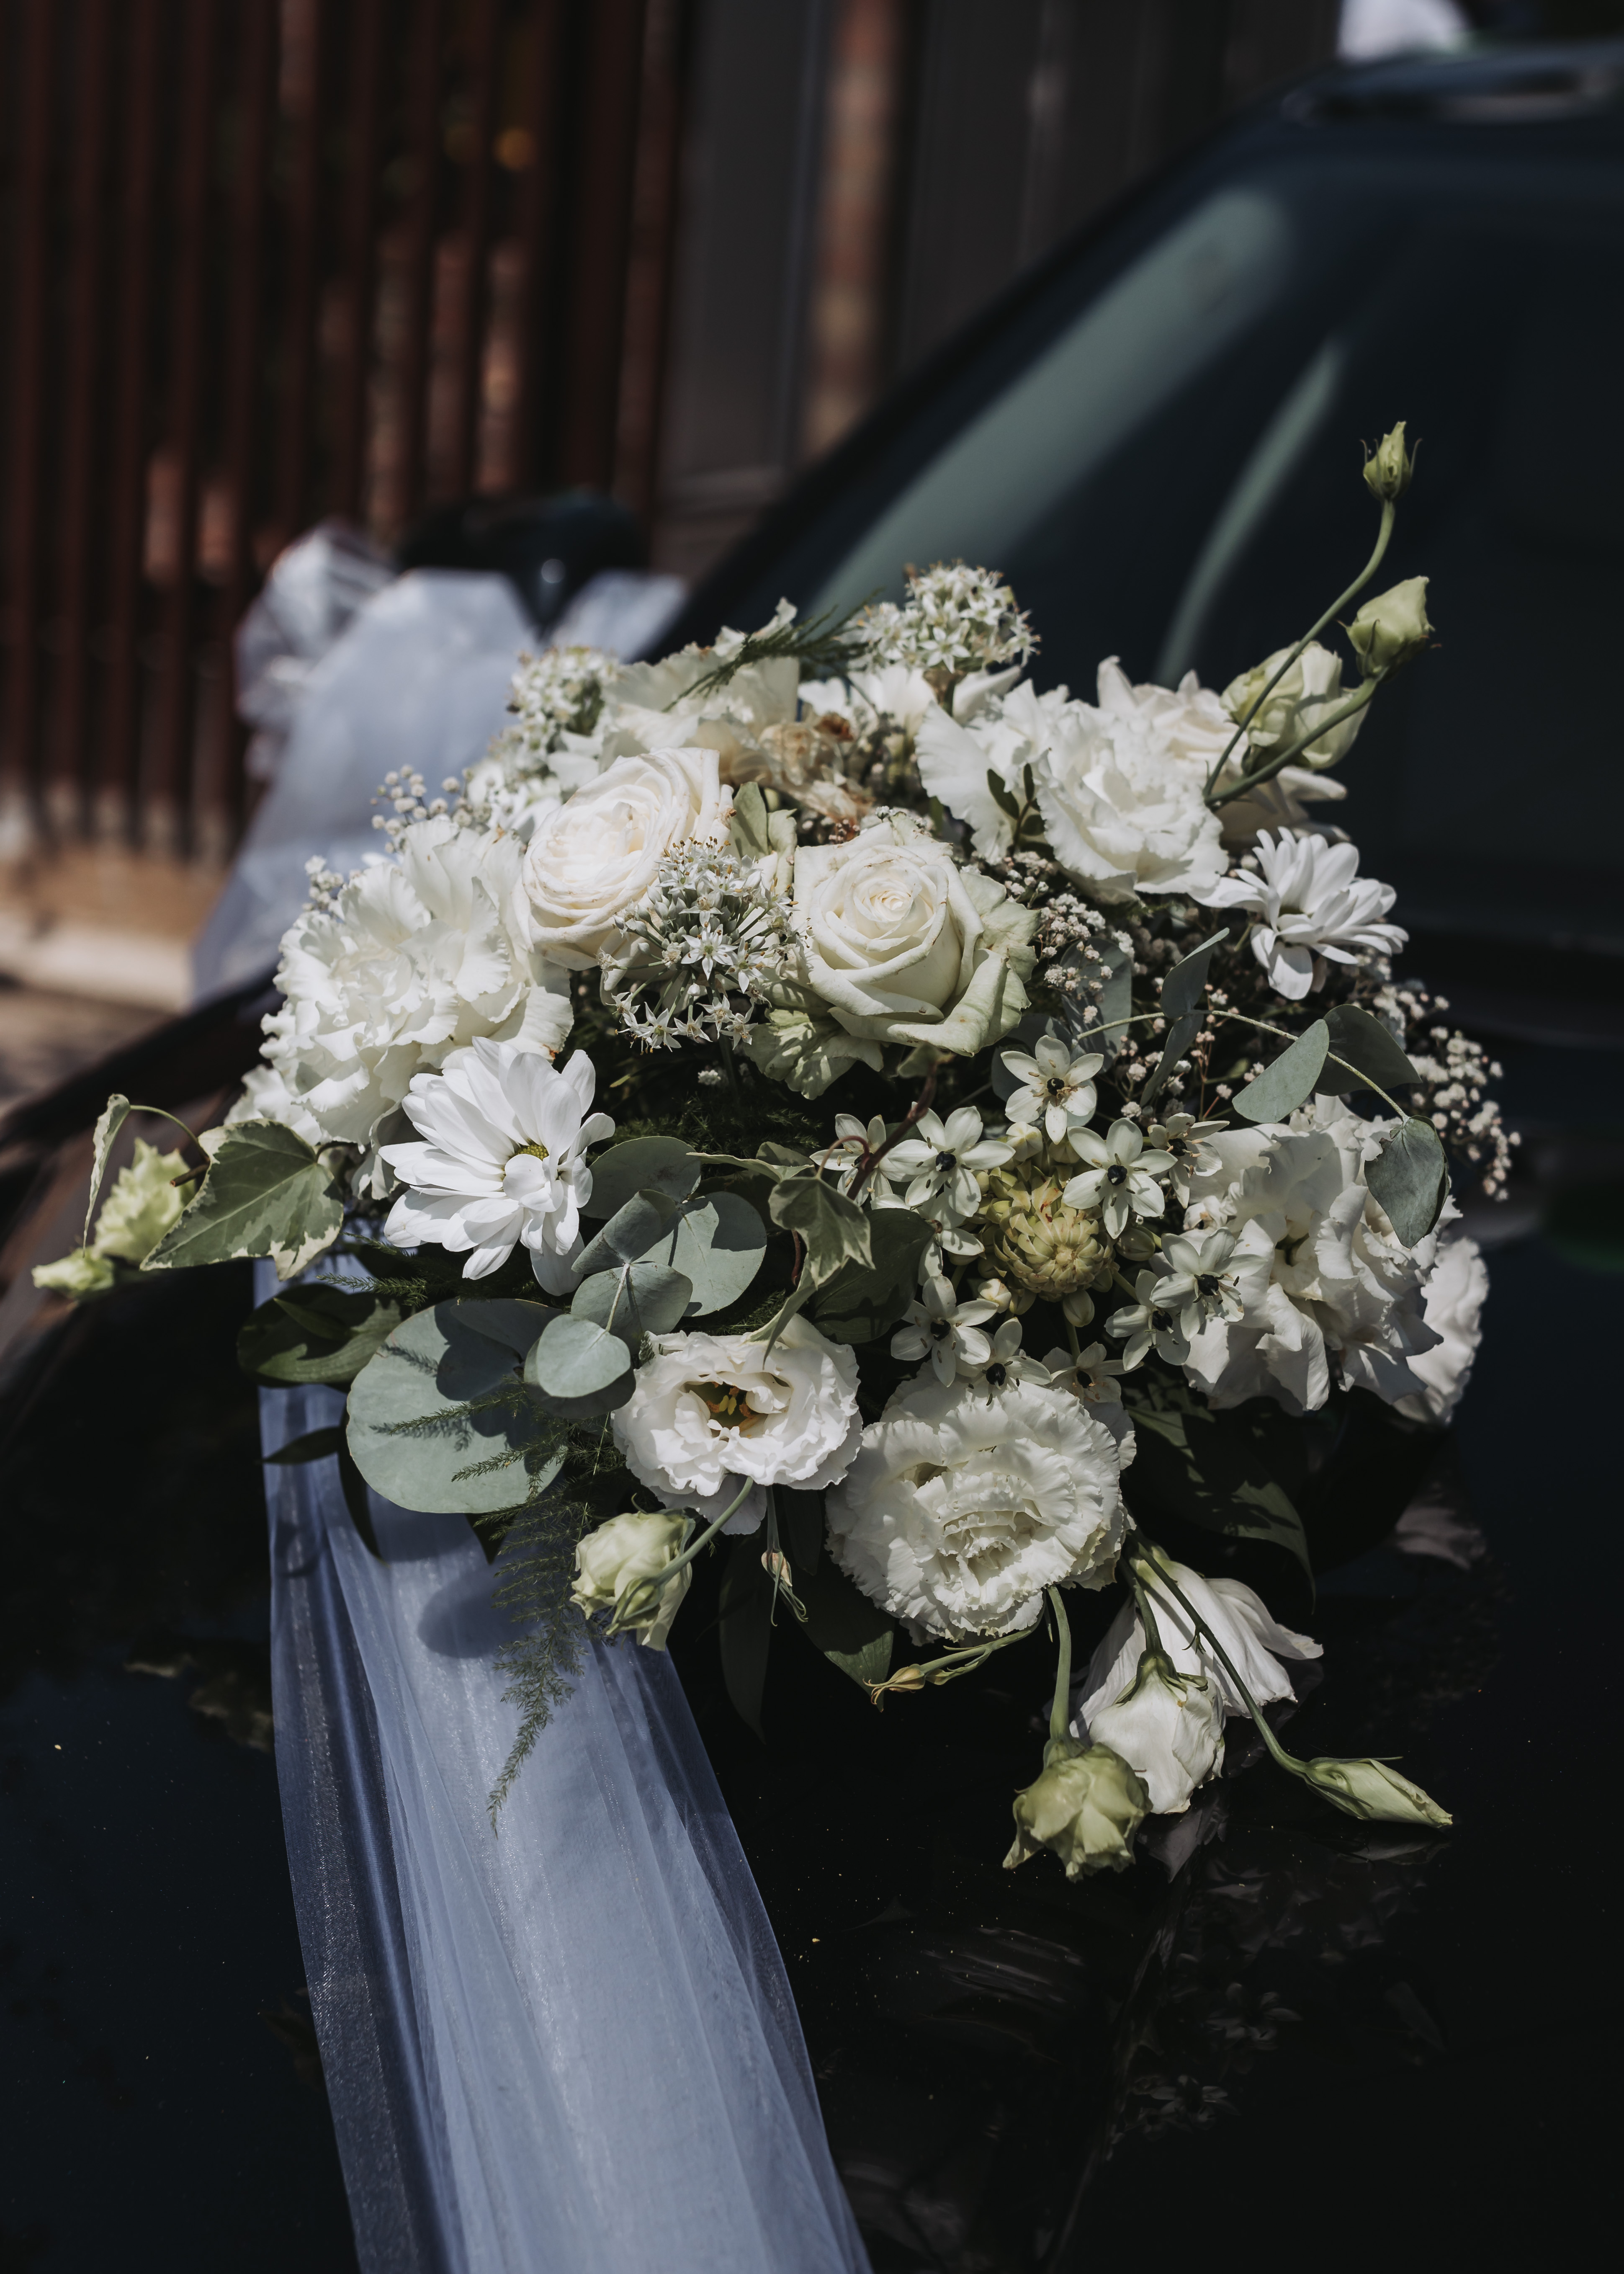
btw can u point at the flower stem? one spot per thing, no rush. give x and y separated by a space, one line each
644 1590
915 1112
1277 1751
946 1668
1285 1035
1355 703
1060 1711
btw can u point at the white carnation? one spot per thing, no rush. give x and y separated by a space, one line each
711 1412
1454 1299
960 1509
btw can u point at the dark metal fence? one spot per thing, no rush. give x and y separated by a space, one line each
262 260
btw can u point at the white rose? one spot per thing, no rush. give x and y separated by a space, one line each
903 945
591 857
960 1510
711 1412
1454 1310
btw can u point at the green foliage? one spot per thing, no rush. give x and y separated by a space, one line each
267 1193
823 646
580 1368
835 1231
1409 1176
1289 1080
115 1113
658 1164
853 1633
1183 998
744 1632
1216 1470
439 1419
640 1299
1360 1041
861 1302
322 1332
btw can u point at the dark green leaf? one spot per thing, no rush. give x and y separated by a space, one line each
631 1232
319 1334
1364 1044
853 1633
1003 798
1289 1081
1409 1176
745 1629
1179 1038
580 1368
800 1521
641 1164
858 1305
314 1445
442 1398
789 1157
352 1484
835 1230
1185 988
1113 967
267 1193
1212 1470
640 1299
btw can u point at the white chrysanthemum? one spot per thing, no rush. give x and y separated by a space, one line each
1455 1297
1314 904
960 1509
710 1412
411 959
593 857
505 1136
1322 1282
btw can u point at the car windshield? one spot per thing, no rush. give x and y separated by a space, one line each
1169 476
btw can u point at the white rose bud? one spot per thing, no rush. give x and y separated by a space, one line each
622 1554
1392 627
1171 1726
1390 470
1372 1791
1087 1805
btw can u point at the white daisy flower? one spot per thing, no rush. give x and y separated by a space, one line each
939 1161
1121 1181
944 1330
1057 1089
1313 903
505 1135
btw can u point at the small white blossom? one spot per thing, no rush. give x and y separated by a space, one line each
1150 1323
1057 1089
1121 1180
1183 1136
946 1332
1200 1283
1314 904
939 1161
1005 1364
955 619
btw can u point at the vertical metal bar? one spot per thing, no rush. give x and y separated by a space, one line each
422 210
608 136
245 338
485 27
350 386
296 411
537 223
81 407
133 381
29 397
171 776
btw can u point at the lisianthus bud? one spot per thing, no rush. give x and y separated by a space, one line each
1372 1790
614 1565
81 1272
1392 627
1389 469
1087 1805
1170 1725
1077 1308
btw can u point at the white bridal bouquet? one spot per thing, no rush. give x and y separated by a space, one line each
954 1143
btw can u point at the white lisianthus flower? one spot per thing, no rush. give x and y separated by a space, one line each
1120 1179
903 945
713 1413
1057 1089
1005 737
503 1160
1314 904
960 1509
1310 690
1453 1300
1240 1619
411 959
941 1328
593 857
1167 1727
940 1160
639 1545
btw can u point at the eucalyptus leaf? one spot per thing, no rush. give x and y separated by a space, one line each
439 1400
320 1334
641 1164
1185 988
717 1242
314 1445
1361 1041
1289 1081
580 1368
853 1633
631 1232
835 1230
1176 1041
1409 1176
1113 967
115 1113
861 1303
744 1628
640 1299
267 1193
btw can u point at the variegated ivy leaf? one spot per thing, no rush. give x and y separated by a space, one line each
267 1193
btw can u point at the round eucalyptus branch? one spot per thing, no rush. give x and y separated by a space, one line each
1363 1079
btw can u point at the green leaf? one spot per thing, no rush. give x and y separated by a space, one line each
352 1484
115 1113
1289 1080
747 830
322 1334
800 1521
1113 967
853 1633
1363 1043
1177 1040
834 1229
1185 986
640 1299
314 1445
1409 1176
442 1399
580 1368
1213 1470
717 1242
267 1193
744 1632
859 1303
1002 797
630 1232
641 1164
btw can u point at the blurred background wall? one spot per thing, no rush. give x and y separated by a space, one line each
267 260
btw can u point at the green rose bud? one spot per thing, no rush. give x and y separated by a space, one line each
1392 627
615 1564
1389 471
1087 1805
1372 1791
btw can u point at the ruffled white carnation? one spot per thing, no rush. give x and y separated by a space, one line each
960 1509
411 959
1453 1311
592 858
711 1412
1322 1283
1123 815
1314 904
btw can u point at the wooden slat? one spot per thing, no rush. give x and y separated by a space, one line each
483 35
296 408
417 263
26 502
537 221
354 362
607 100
